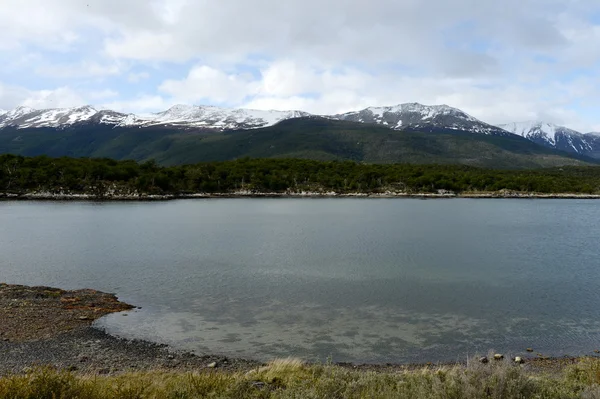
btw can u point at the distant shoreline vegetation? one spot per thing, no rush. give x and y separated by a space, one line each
64 178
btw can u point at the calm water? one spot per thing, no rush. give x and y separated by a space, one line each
353 279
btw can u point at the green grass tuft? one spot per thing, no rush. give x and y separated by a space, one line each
290 378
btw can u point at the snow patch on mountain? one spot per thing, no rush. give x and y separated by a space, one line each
179 115
534 129
551 135
24 117
217 118
419 116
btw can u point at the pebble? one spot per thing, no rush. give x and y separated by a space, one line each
212 365
83 318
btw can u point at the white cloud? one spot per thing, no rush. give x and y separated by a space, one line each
142 103
500 61
103 94
206 83
135 77
82 69
61 97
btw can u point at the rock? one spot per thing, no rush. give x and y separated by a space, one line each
83 318
171 357
597 351
529 349
519 360
212 365
498 356
258 384
124 314
483 360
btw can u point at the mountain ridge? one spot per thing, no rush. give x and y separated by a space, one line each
555 136
410 117
308 138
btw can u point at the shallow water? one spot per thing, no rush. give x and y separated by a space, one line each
367 280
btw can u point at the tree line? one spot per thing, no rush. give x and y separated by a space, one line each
20 174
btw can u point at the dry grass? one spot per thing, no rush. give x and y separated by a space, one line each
291 378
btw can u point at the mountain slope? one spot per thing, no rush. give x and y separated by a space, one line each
418 117
54 132
309 137
181 115
412 116
554 136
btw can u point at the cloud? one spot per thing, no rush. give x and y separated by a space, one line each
135 77
142 103
500 61
54 98
206 83
84 68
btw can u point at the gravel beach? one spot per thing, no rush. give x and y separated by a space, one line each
43 326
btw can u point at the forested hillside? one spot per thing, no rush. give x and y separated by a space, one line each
307 138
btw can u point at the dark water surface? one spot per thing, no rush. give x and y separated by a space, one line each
367 280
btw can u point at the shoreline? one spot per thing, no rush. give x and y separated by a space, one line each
47 196
52 327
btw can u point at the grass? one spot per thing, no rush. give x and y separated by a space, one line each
291 378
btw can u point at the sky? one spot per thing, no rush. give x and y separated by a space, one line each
500 61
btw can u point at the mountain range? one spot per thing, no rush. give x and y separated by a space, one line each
85 131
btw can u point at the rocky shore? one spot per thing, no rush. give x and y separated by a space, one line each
303 194
43 326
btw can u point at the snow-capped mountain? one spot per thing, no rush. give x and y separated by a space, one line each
399 117
217 118
551 135
421 117
179 115
409 117
25 117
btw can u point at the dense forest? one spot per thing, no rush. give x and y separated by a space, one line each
103 177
